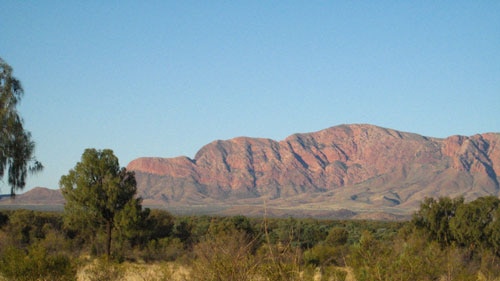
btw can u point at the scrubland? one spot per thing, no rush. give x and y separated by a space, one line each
447 239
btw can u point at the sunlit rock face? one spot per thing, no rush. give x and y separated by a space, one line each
347 165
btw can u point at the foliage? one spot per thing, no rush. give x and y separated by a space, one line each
332 251
34 264
159 224
100 196
280 262
490 266
435 215
471 224
26 226
16 146
302 233
183 230
337 236
493 232
164 249
281 259
435 245
474 225
225 256
447 239
408 258
324 255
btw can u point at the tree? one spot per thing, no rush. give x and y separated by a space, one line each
435 216
16 146
493 232
470 226
99 194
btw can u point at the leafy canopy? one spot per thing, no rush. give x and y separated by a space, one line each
99 194
16 146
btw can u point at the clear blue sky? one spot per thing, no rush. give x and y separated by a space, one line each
164 78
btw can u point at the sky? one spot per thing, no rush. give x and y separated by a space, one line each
164 78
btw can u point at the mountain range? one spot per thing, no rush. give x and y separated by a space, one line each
347 171
344 171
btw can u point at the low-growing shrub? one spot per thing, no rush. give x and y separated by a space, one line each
35 263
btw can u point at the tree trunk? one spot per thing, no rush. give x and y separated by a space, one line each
108 238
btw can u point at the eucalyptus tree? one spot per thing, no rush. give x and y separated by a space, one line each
100 196
16 146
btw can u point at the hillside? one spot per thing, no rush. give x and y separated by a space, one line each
344 171
39 198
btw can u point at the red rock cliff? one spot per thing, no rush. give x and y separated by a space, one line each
361 163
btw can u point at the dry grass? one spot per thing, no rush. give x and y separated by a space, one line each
162 272
99 270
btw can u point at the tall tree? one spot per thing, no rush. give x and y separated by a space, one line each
99 194
16 146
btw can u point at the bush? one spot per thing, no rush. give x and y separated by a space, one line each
35 264
280 262
165 249
324 255
225 257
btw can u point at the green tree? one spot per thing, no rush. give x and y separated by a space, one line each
16 146
493 232
99 193
435 216
470 225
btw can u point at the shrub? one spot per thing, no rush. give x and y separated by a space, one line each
324 255
225 257
166 249
35 264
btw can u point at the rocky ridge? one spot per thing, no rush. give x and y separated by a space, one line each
347 169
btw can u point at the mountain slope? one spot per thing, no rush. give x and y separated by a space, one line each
362 168
35 196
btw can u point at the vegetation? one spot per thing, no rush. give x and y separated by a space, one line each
99 195
447 239
16 146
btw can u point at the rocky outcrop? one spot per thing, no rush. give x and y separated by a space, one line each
357 167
